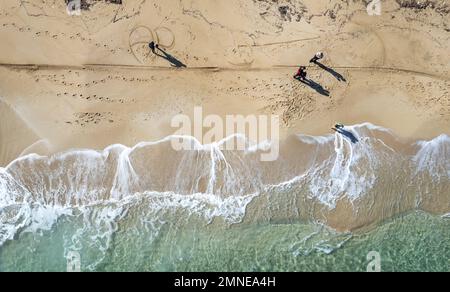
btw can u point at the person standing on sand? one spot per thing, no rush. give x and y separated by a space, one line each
152 46
317 56
338 127
301 73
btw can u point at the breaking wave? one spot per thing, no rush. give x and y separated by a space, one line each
150 184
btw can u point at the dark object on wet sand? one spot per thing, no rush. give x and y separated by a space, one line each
347 134
339 126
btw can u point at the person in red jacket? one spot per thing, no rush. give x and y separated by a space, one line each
301 73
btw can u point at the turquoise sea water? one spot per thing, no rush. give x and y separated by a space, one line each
413 242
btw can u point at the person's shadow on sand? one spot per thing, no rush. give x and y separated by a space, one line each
314 85
347 134
337 75
171 59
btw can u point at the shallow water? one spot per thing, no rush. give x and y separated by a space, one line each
150 208
414 242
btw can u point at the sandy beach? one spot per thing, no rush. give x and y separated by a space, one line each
85 86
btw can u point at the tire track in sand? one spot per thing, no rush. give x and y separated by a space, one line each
35 67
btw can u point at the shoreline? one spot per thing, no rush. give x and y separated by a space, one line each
305 174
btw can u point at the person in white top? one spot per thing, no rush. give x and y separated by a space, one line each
317 56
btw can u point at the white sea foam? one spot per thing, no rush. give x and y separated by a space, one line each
315 139
365 127
36 190
42 144
207 182
433 157
351 171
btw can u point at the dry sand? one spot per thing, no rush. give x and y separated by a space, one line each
89 81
